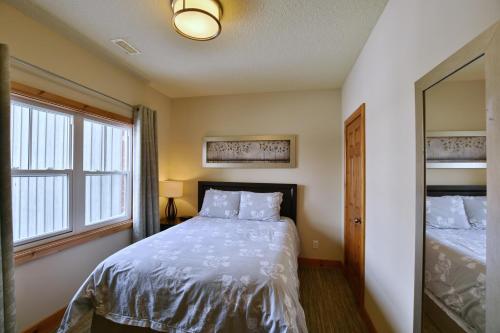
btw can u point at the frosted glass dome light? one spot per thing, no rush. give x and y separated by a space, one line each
197 19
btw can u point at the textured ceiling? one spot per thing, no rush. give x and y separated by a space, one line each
265 45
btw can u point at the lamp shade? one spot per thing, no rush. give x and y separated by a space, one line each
197 19
170 189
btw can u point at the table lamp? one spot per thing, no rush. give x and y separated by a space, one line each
170 189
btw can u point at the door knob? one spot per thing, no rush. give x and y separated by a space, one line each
357 220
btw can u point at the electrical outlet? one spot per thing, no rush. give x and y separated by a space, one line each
315 244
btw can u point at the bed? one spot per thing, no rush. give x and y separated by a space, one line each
455 271
204 275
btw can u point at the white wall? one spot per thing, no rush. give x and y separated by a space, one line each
314 116
44 286
48 284
410 38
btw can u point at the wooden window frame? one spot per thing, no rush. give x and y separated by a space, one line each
42 250
29 253
42 96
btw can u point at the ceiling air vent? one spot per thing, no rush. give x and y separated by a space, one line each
125 46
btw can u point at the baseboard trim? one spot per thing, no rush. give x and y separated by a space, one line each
47 325
312 262
366 318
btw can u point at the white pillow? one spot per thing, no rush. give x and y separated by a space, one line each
446 212
476 210
260 206
221 204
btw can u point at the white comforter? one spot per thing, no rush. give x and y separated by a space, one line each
204 275
455 274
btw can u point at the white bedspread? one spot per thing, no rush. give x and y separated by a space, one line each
204 275
455 274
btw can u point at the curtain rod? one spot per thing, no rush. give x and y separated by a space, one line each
22 63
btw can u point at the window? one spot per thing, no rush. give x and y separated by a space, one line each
70 172
105 164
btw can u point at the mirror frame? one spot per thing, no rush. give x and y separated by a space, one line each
487 44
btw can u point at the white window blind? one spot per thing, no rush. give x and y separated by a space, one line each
69 172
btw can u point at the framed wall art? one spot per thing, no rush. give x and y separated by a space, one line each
261 151
457 149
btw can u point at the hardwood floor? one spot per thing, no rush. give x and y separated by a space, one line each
428 325
328 302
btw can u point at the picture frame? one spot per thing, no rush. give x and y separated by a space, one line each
456 150
249 151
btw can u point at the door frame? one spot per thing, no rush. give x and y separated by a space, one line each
487 44
359 113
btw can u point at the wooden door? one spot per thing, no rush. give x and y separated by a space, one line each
354 198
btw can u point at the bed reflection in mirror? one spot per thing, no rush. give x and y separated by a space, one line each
455 228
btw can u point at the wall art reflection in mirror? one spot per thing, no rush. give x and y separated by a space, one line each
457 149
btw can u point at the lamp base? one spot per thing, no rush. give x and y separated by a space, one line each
170 209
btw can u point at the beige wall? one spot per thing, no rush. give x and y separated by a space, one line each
313 116
456 177
410 38
456 106
46 285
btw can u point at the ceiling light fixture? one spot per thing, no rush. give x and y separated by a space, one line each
197 19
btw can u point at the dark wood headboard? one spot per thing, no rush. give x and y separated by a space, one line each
288 206
466 190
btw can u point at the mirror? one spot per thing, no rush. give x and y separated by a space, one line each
455 207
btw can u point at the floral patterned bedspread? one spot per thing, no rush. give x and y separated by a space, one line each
204 275
455 274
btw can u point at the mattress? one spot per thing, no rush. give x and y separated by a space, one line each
204 275
455 274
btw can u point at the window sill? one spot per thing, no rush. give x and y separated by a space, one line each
39 251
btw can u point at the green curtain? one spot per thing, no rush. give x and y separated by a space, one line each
7 304
146 206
